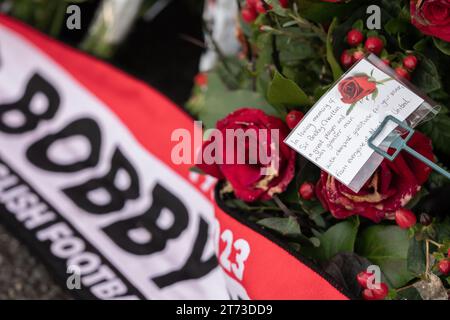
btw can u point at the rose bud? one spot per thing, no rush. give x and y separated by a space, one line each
405 218
293 118
444 266
376 294
306 190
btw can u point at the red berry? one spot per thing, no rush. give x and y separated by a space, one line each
363 278
293 118
376 294
405 218
252 3
201 79
448 253
358 55
410 62
374 45
284 3
261 7
249 15
307 191
347 59
402 72
354 37
444 266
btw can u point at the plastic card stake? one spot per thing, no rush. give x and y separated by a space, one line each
334 134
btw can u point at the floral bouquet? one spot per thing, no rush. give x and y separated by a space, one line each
292 53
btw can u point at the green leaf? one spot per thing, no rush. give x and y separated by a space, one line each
285 93
358 25
416 257
373 33
350 109
427 76
387 247
443 231
293 50
375 94
288 227
442 45
396 25
277 8
320 11
421 45
320 91
335 67
409 294
339 238
220 101
438 130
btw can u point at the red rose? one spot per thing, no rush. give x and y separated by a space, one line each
391 187
247 180
432 18
356 88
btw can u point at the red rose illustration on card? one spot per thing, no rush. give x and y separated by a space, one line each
357 87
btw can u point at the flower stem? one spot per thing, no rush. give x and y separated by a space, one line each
435 243
427 253
282 206
405 288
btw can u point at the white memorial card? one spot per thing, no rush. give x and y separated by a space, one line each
334 134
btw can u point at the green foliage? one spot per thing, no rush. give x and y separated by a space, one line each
338 239
286 94
442 45
438 129
320 11
387 247
288 227
416 257
221 101
335 66
426 77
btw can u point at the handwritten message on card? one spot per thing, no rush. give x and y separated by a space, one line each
335 133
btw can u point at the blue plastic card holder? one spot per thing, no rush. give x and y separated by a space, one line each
401 144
